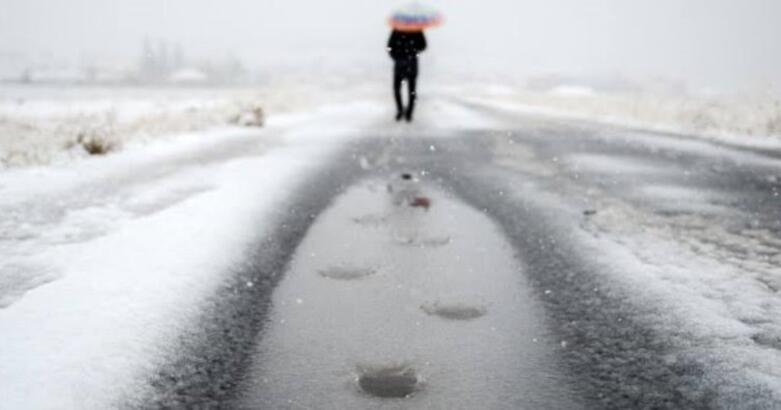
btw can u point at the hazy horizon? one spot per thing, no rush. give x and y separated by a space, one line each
719 44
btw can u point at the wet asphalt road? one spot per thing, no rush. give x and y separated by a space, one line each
602 353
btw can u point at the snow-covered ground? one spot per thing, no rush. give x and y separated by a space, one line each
701 269
739 120
713 290
105 258
42 125
128 244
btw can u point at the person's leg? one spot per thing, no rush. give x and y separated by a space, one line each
397 77
412 81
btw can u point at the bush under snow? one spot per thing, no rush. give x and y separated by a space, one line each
38 131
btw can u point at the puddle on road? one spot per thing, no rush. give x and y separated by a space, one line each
388 382
429 309
455 310
345 273
613 165
675 200
371 220
423 242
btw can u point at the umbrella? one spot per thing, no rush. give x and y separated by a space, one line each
414 17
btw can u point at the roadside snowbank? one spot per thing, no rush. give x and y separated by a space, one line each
57 126
112 257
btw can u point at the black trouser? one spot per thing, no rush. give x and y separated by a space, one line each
405 70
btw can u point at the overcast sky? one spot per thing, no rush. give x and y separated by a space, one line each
716 43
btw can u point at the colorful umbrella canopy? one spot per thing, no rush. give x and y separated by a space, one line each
414 17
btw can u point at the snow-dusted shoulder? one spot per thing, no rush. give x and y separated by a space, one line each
105 260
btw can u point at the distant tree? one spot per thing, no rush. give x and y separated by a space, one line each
178 62
148 64
27 76
163 59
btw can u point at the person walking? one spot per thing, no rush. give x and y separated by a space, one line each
403 48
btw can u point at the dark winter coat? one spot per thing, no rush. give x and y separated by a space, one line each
405 46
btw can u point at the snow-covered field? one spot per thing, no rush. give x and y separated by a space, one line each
741 120
43 125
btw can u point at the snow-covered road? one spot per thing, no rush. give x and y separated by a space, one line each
604 268
378 288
